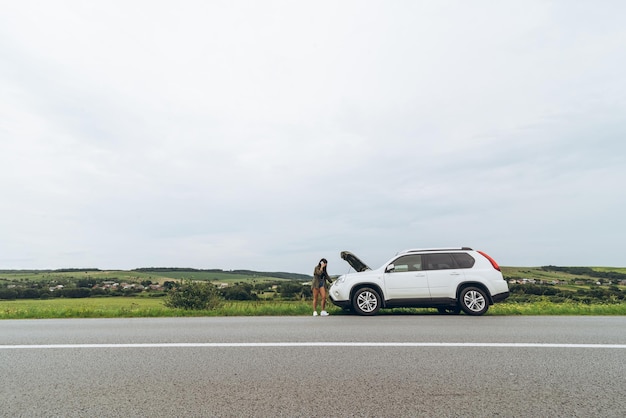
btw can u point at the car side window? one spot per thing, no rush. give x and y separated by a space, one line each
440 261
408 263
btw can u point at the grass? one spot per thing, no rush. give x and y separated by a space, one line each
546 307
130 307
114 307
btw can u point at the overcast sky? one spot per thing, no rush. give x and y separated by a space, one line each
265 135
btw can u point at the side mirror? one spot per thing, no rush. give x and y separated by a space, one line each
390 268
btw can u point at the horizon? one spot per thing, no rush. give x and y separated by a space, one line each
152 268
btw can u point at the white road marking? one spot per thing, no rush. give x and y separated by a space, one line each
310 344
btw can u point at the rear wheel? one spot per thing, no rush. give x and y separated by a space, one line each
473 301
366 301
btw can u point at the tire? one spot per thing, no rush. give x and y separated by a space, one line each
453 310
366 301
473 301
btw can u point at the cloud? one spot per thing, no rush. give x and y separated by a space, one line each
266 135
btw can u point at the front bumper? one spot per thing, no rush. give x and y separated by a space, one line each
344 304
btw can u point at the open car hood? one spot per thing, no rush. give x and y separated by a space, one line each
354 261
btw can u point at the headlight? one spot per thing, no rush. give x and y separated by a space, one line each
340 280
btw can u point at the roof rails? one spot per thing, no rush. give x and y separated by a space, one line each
414 250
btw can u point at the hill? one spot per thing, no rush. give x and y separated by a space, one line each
560 284
154 274
584 276
567 275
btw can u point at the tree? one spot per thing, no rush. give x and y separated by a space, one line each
8 294
30 294
290 289
87 282
169 285
261 287
240 291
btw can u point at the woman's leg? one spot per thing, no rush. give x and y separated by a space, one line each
316 292
323 295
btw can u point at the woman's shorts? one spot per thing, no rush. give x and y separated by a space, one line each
318 283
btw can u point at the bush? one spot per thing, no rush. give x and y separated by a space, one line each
29 293
193 295
79 292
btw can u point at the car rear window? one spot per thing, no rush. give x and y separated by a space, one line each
445 261
464 260
440 261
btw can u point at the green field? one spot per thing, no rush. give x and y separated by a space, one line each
581 291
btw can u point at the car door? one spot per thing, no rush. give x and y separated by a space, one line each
443 275
405 279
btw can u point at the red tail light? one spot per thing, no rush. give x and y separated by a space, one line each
491 260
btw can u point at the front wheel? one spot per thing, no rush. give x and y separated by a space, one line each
473 301
366 301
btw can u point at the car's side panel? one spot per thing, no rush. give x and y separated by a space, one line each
443 283
408 284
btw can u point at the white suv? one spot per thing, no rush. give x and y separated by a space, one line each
449 279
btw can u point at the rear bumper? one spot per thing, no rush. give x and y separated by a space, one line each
500 297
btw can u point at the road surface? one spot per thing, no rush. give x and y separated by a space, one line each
347 366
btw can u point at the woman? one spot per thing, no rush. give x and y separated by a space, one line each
319 286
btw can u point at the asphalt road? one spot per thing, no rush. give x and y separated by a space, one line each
347 366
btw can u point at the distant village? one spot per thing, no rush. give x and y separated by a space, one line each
563 282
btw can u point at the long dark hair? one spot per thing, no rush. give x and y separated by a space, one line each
323 260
